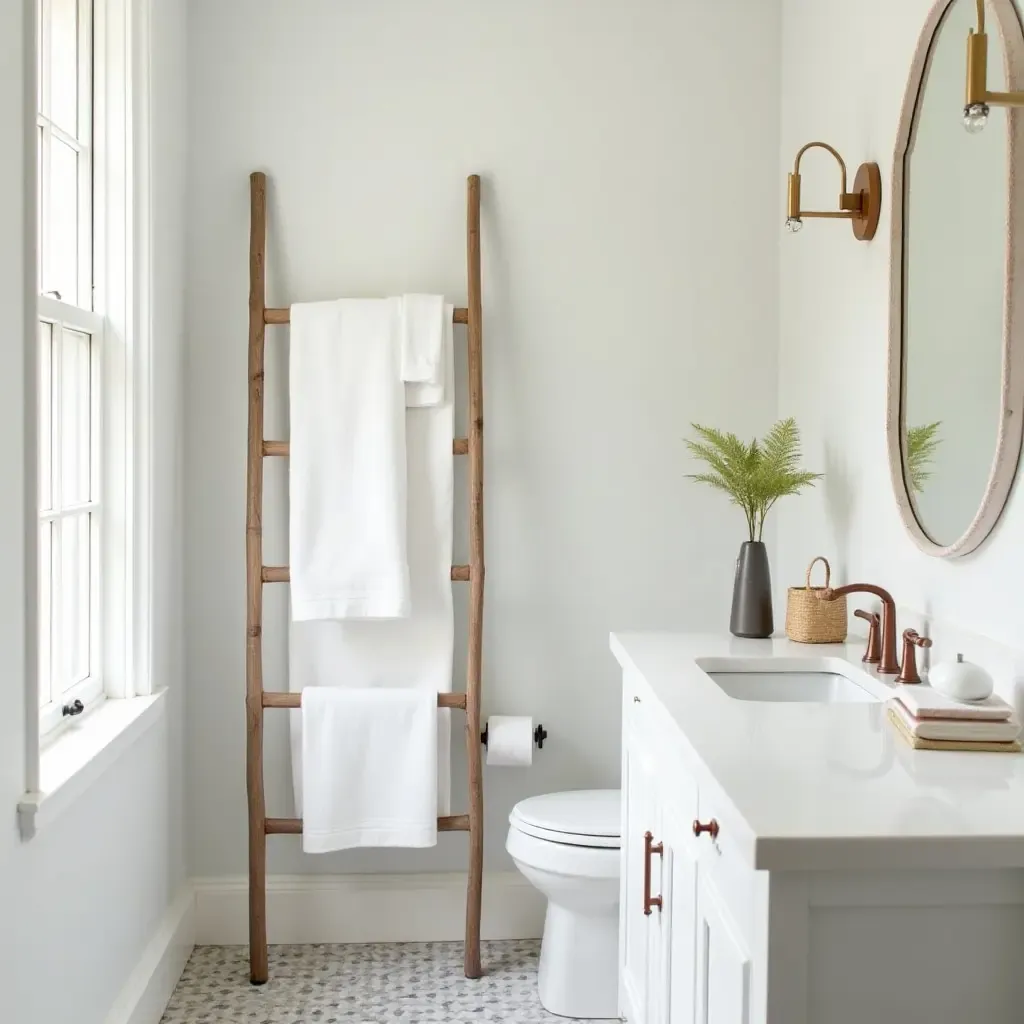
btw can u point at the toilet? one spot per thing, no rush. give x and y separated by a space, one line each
567 845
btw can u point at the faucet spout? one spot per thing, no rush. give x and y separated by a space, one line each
888 664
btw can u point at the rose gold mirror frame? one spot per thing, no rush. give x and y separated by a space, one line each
1011 424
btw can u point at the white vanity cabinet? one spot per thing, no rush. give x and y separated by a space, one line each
685 961
841 878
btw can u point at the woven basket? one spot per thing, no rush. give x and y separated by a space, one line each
809 620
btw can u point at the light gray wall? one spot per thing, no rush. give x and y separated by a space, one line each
844 80
79 902
630 229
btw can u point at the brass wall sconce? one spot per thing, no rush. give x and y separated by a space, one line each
979 99
861 207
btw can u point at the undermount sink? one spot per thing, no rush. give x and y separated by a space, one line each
819 681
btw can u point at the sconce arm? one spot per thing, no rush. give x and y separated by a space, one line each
829 149
978 93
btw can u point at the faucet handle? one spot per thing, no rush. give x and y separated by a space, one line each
911 639
873 653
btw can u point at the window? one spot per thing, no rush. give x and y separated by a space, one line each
70 341
90 476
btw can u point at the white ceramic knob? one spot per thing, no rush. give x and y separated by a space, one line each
961 680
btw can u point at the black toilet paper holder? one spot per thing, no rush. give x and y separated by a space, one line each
540 734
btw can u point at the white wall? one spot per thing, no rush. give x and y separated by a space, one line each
630 230
843 80
79 902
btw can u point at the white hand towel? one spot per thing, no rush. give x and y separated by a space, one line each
347 473
924 702
415 652
426 320
369 757
422 326
976 730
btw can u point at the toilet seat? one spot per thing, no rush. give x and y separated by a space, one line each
584 818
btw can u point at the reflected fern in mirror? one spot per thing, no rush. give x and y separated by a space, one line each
921 444
754 475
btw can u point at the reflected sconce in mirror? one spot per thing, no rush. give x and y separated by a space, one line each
979 99
861 207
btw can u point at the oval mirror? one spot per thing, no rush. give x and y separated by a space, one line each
955 373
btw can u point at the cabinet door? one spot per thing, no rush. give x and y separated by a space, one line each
723 963
640 815
678 925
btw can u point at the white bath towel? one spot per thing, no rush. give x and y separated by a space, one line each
413 652
369 758
347 472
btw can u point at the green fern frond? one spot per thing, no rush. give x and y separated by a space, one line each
922 443
754 475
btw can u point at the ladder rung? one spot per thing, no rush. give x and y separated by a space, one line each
280 574
460 446
284 316
293 826
273 699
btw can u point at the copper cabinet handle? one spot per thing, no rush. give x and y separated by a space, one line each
650 848
711 828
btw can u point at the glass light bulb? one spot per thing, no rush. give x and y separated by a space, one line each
976 117
794 224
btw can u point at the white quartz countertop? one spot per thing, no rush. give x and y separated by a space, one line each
831 786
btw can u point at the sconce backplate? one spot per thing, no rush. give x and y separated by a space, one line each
868 184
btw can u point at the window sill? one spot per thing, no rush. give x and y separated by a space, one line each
83 753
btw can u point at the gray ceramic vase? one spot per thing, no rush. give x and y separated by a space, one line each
752 593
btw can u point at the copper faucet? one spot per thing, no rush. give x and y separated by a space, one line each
911 639
872 655
888 665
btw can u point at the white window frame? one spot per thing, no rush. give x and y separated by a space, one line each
118 292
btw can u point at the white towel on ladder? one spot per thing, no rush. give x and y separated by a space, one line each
412 652
347 466
369 758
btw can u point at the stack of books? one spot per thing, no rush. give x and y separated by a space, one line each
929 720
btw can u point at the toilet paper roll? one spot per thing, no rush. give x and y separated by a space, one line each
510 740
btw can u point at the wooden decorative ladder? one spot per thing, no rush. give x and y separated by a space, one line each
257 700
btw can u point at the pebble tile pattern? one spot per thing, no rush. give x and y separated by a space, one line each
390 983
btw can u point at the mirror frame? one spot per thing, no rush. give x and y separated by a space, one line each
1011 422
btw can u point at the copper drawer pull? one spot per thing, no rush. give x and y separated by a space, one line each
650 848
711 828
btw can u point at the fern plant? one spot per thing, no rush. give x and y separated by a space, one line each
754 475
922 442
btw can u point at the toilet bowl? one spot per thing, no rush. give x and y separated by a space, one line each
567 845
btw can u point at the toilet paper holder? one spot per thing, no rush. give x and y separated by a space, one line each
540 734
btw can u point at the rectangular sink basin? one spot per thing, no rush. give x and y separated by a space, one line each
783 683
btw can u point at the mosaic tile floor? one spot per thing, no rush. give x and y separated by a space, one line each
388 983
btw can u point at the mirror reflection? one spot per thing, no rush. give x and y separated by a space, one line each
955 263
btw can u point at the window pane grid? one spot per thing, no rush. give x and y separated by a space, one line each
69 519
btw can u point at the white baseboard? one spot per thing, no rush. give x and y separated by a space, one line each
148 989
367 908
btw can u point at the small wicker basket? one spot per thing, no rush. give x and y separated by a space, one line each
810 620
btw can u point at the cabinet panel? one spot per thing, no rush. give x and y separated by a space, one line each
723 963
678 925
640 815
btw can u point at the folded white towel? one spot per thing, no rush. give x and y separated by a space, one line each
424 321
369 757
924 702
972 730
347 473
422 326
415 652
